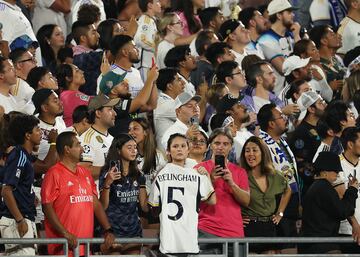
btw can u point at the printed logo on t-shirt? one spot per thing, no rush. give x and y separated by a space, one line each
82 197
86 149
18 173
69 184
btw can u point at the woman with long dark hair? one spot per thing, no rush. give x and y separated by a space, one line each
150 160
70 79
188 12
121 188
51 39
262 214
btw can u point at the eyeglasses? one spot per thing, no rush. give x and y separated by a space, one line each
32 59
198 142
282 116
237 73
178 22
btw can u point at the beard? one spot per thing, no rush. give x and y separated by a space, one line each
134 59
245 119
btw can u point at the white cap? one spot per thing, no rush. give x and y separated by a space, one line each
276 6
307 99
294 62
184 98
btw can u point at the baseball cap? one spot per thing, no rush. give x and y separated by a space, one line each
40 96
228 27
100 101
327 161
24 41
184 98
305 100
109 81
294 62
277 6
227 102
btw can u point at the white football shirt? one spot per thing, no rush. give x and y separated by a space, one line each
179 191
96 146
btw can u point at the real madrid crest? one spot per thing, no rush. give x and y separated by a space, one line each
99 139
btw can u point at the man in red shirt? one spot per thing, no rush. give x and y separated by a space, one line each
70 199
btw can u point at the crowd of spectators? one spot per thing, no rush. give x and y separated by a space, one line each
180 120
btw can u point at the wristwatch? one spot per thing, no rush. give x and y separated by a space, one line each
281 214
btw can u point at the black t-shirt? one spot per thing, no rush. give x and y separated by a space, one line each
304 142
123 117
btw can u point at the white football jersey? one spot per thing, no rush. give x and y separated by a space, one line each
349 169
96 146
177 191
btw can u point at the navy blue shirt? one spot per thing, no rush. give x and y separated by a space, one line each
19 173
123 206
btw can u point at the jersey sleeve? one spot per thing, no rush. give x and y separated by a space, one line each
270 47
206 188
14 168
154 197
142 181
50 187
144 34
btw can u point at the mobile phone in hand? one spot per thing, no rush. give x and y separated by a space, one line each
220 161
195 121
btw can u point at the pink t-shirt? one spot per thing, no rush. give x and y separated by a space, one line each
72 99
186 31
223 219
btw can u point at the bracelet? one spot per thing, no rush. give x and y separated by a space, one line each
109 230
52 144
18 222
108 187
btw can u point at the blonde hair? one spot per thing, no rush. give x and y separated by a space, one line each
165 21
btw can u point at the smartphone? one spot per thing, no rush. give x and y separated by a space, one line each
114 164
220 160
194 121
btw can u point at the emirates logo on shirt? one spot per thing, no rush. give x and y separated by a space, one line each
83 197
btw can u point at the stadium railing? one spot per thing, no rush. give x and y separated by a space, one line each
240 246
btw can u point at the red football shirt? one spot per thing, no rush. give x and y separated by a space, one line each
72 197
223 219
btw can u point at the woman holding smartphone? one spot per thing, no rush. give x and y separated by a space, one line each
261 216
121 188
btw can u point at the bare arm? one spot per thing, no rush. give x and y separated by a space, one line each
285 198
105 190
143 199
240 195
152 103
95 170
100 214
63 6
51 158
277 63
212 199
9 199
143 97
185 40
